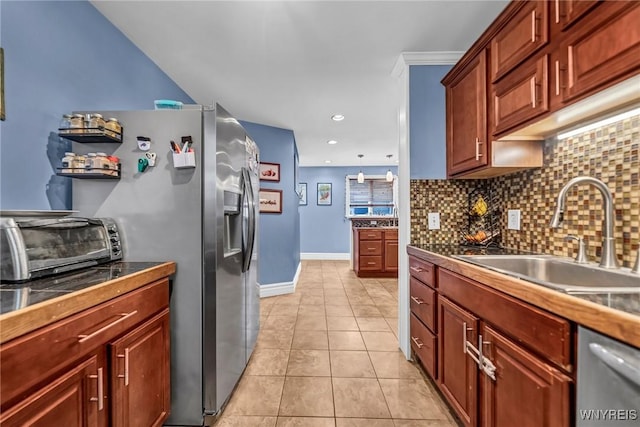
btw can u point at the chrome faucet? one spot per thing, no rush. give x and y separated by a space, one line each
608 258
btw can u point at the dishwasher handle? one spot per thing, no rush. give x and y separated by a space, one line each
624 364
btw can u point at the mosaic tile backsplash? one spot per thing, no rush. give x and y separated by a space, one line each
609 153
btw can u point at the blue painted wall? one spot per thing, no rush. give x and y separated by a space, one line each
279 238
427 125
324 229
62 56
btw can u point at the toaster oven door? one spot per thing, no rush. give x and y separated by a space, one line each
52 244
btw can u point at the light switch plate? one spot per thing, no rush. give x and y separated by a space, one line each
513 219
434 220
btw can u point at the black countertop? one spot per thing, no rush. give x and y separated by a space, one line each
16 296
626 302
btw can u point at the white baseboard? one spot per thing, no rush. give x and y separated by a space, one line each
282 288
338 256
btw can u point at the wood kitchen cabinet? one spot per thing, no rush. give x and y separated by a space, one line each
105 366
140 375
375 252
521 377
498 361
505 95
71 401
466 104
457 372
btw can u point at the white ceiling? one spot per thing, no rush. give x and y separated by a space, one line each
292 64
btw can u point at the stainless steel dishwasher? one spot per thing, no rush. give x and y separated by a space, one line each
608 383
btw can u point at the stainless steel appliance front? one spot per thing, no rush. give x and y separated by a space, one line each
197 218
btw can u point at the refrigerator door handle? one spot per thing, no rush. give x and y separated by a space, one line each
252 220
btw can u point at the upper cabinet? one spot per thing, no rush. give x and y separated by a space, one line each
537 58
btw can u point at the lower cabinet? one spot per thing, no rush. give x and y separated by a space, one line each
113 371
526 391
375 251
140 375
457 372
498 361
71 401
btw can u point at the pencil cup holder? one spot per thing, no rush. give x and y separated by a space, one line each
184 160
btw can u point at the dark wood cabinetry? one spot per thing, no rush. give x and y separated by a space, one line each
535 59
522 377
105 366
457 372
466 103
375 252
498 360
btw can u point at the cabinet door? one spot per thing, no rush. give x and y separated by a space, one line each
526 32
70 401
390 255
457 372
602 49
521 95
569 11
140 375
466 99
527 392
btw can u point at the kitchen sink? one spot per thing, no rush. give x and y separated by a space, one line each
560 273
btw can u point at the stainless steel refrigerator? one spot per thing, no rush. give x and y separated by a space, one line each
205 219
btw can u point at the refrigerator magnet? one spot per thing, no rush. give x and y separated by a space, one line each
144 143
151 158
142 164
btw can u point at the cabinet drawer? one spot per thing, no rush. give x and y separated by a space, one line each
424 346
544 333
423 271
370 263
370 234
390 234
370 247
423 303
33 358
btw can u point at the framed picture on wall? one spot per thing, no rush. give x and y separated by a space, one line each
269 172
324 194
302 193
270 201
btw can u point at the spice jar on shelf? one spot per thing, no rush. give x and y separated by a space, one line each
101 164
65 123
113 166
67 162
91 160
113 128
79 163
96 123
76 123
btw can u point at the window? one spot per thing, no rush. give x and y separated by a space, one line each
374 197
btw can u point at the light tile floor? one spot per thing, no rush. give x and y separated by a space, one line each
327 356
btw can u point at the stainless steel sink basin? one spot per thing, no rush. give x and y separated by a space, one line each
560 273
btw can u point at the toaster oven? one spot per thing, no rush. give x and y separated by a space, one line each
36 247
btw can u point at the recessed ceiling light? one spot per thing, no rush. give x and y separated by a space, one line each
332 142
337 117
327 161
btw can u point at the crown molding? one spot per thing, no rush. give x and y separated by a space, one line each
425 58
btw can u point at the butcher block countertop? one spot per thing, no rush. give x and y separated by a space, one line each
28 306
616 315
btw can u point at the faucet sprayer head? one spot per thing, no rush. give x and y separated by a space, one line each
557 218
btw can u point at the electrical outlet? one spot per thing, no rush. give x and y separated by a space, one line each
434 221
513 219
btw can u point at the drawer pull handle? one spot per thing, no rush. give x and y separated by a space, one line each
100 398
416 269
124 316
417 342
371 249
417 300
371 263
126 366
371 235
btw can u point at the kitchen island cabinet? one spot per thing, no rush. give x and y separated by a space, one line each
375 251
91 367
